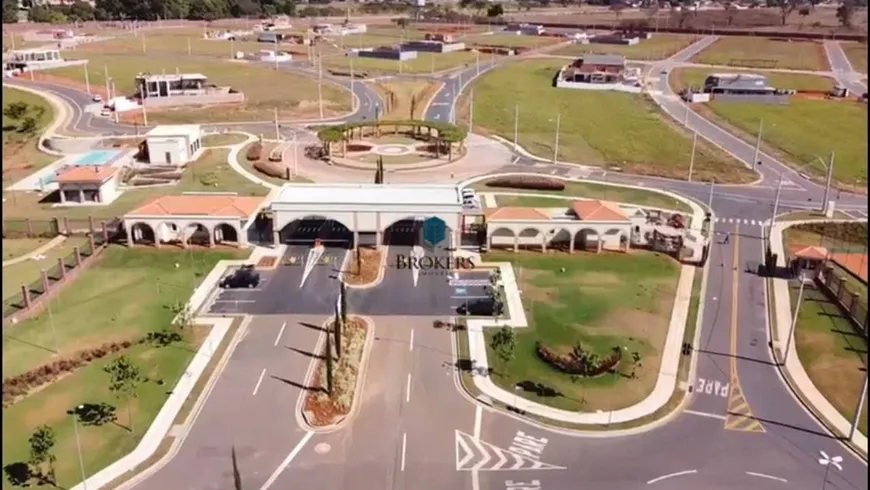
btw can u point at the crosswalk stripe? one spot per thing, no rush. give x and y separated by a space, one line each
469 282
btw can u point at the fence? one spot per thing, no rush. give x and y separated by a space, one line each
50 228
846 292
27 301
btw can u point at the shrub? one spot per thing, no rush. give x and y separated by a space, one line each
527 182
579 361
254 152
358 147
267 168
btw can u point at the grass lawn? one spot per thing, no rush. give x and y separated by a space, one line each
761 52
601 301
223 139
173 41
29 271
831 352
804 130
509 40
295 96
20 154
376 37
211 173
101 445
660 46
128 292
857 54
399 93
16 247
608 129
423 63
681 78
587 191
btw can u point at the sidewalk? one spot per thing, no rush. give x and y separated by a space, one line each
33 253
795 374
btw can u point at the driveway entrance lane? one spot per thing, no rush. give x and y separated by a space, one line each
256 425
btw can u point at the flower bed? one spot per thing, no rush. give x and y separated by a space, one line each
579 361
322 409
364 271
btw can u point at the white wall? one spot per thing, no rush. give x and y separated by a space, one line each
366 221
176 145
617 87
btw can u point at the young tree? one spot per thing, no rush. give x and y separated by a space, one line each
495 10
16 110
343 291
328 355
413 108
338 326
504 342
124 380
786 7
42 451
845 13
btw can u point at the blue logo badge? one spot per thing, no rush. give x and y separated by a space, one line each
434 232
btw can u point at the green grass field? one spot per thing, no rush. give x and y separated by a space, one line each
660 46
601 301
588 191
175 42
607 129
30 271
857 54
762 52
265 89
509 40
681 78
17 247
20 154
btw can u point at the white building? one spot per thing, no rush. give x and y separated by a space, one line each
174 144
96 184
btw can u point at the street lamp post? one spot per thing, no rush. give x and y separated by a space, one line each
75 414
692 158
794 319
710 199
860 407
827 462
758 144
471 110
516 126
830 169
556 143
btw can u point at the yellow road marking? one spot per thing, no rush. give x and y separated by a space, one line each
739 416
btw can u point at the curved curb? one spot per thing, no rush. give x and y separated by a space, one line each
301 419
382 270
61 119
396 167
233 161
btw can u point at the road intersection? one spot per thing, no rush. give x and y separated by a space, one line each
742 428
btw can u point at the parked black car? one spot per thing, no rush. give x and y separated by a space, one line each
244 277
480 307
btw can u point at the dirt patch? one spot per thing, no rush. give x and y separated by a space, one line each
269 262
364 268
322 408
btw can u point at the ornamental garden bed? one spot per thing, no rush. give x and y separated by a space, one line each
364 269
325 406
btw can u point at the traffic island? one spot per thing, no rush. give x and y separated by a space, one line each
337 377
364 268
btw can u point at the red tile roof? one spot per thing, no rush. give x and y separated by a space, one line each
199 205
86 174
812 253
595 210
515 214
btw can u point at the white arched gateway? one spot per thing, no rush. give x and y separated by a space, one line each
373 211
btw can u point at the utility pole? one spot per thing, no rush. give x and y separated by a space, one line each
556 144
692 158
277 132
828 183
87 80
144 114
794 320
295 156
516 126
144 48
776 202
106 77
758 144
75 415
477 62
710 199
471 111
860 408
320 82
686 117
276 52
188 47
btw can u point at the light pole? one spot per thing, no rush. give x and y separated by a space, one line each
794 319
830 174
710 199
471 110
827 462
686 117
758 144
295 156
692 158
320 82
53 330
75 416
776 202
556 143
516 126
860 408
87 79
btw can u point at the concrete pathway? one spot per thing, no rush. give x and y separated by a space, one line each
39 251
795 374
233 160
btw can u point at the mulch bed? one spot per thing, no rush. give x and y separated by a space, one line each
368 273
268 262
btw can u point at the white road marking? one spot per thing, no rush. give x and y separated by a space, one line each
411 342
280 333
284 464
408 389
404 447
259 380
769 477
705 414
234 301
478 415
671 475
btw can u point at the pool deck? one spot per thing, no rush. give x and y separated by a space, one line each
43 179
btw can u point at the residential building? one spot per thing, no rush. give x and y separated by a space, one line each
596 68
174 144
88 184
182 89
738 83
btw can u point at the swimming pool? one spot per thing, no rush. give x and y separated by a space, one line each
96 158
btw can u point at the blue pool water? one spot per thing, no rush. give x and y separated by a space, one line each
96 157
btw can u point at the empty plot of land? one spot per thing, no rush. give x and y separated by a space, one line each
762 52
857 54
423 63
174 41
660 46
510 40
265 89
681 78
603 128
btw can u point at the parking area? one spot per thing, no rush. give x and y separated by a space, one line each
467 287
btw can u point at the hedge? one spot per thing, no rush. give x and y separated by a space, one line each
254 152
446 131
527 182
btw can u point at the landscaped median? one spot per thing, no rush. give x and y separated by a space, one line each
826 360
336 379
364 267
